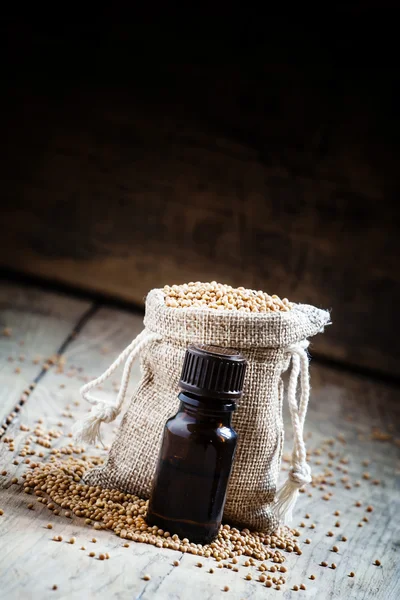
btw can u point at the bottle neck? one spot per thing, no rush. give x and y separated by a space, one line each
210 409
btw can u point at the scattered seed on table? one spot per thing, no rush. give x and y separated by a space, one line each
333 566
351 574
278 587
330 534
49 526
262 578
248 577
14 480
302 586
337 524
210 570
92 554
72 540
296 588
344 538
1 511
307 541
83 548
377 563
282 569
234 560
312 577
94 540
312 526
360 525
146 577
335 549
226 588
54 587
101 557
306 516
336 513
358 503
30 506
365 519
268 583
4 473
324 564
369 509
107 555
199 564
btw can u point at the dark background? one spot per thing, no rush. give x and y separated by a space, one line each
165 148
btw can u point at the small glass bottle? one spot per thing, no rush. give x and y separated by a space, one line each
198 446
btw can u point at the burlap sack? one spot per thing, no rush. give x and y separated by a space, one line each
269 341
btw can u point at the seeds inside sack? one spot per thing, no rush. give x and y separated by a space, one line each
219 296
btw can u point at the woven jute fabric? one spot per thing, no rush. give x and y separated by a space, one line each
265 340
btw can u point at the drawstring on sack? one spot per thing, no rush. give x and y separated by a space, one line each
88 429
300 472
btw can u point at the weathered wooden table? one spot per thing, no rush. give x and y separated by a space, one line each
358 415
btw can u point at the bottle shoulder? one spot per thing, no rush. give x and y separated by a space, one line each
184 426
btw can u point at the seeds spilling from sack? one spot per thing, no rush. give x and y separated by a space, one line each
125 515
218 296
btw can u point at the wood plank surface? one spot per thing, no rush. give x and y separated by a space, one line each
296 198
33 326
344 410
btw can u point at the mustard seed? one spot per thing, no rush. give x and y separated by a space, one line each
377 563
344 538
302 586
30 506
268 583
278 587
49 526
335 549
351 574
107 555
83 548
330 534
226 588
92 554
324 564
199 564
369 509
54 587
296 588
312 577
1 511
4 473
248 577
146 577
262 578
94 540
337 513
210 570
101 557
337 524
72 540
307 541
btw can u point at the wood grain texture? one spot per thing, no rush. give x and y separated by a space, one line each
269 179
39 322
344 408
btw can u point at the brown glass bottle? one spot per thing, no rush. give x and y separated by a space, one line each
198 446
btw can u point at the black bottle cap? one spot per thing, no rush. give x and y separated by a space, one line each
214 372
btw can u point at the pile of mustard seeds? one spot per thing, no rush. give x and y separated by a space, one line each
59 482
218 296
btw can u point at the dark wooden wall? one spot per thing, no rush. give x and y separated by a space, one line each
268 174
